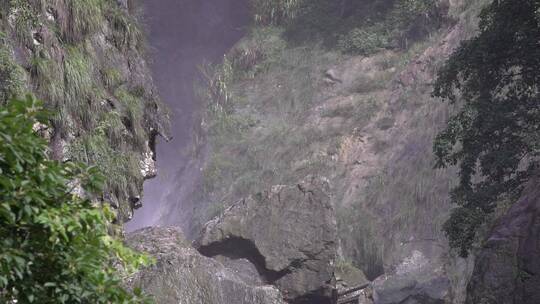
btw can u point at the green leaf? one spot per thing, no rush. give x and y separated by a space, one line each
58 249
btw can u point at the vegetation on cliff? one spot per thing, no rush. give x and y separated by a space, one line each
85 60
494 137
358 27
54 240
280 107
274 50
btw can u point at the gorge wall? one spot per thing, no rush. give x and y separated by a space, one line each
296 164
85 60
278 109
365 122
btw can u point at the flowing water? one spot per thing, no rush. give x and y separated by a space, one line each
182 35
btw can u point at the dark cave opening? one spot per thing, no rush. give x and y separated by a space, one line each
235 248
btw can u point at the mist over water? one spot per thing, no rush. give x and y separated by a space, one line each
182 34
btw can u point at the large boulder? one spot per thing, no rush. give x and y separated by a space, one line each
289 233
182 275
417 280
507 268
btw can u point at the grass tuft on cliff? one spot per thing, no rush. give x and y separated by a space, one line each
12 75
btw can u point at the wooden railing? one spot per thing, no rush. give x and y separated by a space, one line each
348 296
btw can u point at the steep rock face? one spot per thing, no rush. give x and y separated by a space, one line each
367 123
397 239
394 202
289 233
507 269
86 61
182 275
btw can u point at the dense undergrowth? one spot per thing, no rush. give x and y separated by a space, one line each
55 242
83 58
358 27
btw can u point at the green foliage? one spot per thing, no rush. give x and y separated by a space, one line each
405 11
275 12
54 242
123 178
82 17
360 27
133 112
257 52
78 74
79 100
24 19
49 80
405 20
112 125
68 87
218 79
95 107
112 77
126 33
364 41
368 251
12 75
114 145
494 137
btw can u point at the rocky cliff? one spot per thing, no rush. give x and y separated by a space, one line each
280 109
182 275
276 246
85 60
351 108
288 233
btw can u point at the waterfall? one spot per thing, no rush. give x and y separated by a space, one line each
182 35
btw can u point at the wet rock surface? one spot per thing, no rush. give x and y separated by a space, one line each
288 233
182 275
507 269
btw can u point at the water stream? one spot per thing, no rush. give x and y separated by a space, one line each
182 35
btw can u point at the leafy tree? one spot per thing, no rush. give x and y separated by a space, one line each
54 245
495 136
